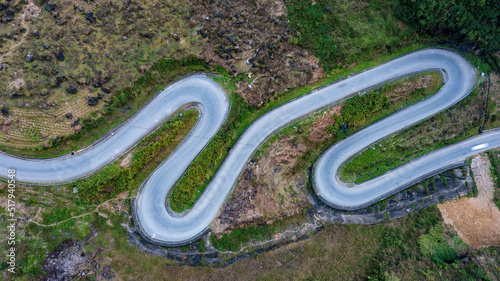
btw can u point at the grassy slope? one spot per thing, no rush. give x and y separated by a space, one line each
495 173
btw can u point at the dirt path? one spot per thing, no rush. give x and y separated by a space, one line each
476 220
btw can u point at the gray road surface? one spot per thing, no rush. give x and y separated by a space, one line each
159 224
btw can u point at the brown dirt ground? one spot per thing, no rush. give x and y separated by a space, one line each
317 131
476 220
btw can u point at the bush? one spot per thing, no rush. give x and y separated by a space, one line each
142 157
358 108
436 247
56 215
107 183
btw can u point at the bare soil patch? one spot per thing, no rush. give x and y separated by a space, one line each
476 220
126 160
268 189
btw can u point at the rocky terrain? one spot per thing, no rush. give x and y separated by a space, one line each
60 58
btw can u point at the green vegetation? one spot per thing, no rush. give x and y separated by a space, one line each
33 245
420 248
56 215
494 156
105 184
238 236
357 109
343 32
459 20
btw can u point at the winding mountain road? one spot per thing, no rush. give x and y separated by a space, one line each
158 224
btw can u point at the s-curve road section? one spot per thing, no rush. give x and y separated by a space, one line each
158 224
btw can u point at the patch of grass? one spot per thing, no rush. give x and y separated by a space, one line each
494 156
57 214
238 237
436 247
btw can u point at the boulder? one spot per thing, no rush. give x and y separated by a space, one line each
90 17
1 66
69 115
36 34
10 13
2 7
97 84
60 56
72 89
106 90
93 101
49 7
5 111
46 47
30 57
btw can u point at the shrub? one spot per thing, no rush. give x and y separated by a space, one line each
436 247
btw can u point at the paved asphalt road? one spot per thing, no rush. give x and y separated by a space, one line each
158 224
